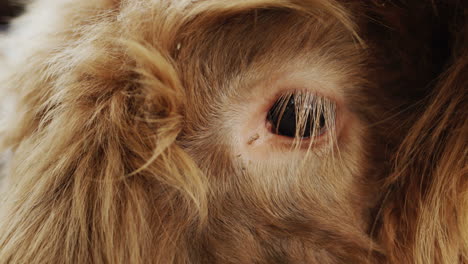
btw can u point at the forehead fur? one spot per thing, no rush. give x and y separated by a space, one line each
210 43
226 36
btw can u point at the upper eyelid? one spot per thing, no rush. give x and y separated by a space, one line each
315 140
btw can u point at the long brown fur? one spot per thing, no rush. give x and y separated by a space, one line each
121 139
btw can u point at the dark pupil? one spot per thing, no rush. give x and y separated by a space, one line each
283 119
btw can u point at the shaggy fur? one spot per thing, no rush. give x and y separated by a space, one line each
133 131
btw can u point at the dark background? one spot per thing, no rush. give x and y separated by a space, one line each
8 10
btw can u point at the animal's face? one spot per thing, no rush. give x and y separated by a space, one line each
260 101
203 132
271 121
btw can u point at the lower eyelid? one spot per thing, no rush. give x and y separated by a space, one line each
252 135
257 142
288 143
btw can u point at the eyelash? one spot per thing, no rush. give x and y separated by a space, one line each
301 115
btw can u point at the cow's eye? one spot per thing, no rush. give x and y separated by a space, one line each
292 117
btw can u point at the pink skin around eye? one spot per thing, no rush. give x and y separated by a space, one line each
255 139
